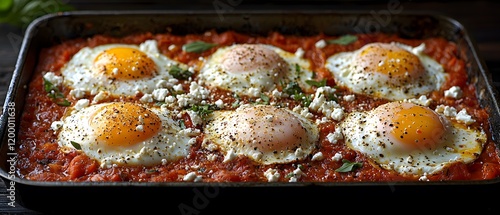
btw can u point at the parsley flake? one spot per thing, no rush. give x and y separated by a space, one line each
343 40
179 73
55 94
197 46
348 166
76 145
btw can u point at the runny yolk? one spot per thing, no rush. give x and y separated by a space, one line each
125 63
391 61
124 124
415 127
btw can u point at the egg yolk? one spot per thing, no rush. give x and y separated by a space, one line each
124 124
124 63
247 58
391 61
270 129
414 126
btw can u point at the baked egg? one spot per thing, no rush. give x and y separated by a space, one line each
392 71
411 139
264 133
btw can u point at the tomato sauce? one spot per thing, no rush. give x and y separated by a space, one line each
41 159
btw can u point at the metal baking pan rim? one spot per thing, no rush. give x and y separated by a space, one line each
26 41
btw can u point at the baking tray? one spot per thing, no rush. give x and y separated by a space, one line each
193 198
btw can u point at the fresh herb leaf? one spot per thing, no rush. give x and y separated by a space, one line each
197 46
264 98
22 12
321 83
292 88
343 40
76 145
306 100
332 97
55 94
63 102
203 110
179 73
348 166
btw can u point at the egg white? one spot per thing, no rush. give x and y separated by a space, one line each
349 72
263 133
257 72
170 143
80 74
365 133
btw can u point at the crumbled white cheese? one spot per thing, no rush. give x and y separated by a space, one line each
198 92
349 98
254 91
149 46
170 99
423 177
296 174
337 157
464 117
81 104
461 116
299 52
178 88
230 155
272 175
53 78
56 125
160 94
99 97
318 156
146 98
454 92
320 44
192 177
190 132
195 118
276 93
337 114
335 136
446 110
77 93
422 100
139 128
219 103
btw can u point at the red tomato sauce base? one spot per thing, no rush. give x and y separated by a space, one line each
40 158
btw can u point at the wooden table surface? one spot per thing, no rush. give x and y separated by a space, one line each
480 18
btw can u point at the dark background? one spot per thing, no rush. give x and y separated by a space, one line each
481 19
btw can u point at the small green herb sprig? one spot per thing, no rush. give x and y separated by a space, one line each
55 94
348 166
197 46
343 40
